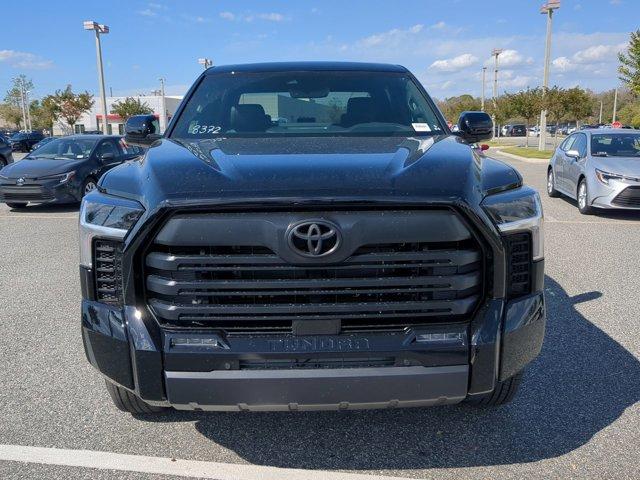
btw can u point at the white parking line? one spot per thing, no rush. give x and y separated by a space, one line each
41 217
621 222
168 466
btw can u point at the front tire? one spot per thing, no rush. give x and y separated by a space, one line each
502 394
126 401
88 186
583 198
551 184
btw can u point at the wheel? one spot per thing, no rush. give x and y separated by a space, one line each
16 205
551 184
128 402
583 198
503 393
89 185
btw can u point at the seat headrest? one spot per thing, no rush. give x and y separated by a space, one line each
249 117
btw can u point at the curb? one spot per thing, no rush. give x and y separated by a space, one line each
522 159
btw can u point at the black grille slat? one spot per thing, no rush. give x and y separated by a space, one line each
519 264
107 270
629 197
249 289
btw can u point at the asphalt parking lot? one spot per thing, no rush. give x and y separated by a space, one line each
577 415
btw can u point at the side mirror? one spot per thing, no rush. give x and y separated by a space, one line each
107 157
475 126
575 154
141 130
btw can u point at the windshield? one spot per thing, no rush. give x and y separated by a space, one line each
65 149
616 144
306 103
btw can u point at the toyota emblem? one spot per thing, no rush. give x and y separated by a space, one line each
314 238
20 181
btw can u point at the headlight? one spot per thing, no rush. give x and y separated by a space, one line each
518 210
604 177
105 216
62 177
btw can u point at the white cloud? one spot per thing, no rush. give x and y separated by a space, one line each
227 16
271 17
454 64
267 17
391 37
195 18
438 26
27 60
147 12
588 57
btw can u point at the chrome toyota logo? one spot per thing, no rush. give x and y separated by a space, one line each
20 181
314 238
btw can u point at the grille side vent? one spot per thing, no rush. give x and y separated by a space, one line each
519 258
107 268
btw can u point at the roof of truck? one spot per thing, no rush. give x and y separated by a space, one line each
306 66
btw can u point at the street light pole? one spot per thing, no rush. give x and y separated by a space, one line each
496 53
100 30
163 116
205 62
26 98
547 9
484 73
24 113
600 116
615 105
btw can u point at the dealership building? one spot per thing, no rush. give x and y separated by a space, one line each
92 119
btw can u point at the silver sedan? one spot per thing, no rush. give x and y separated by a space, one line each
600 168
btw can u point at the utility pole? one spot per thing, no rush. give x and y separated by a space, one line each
205 62
615 105
496 53
24 113
547 9
100 30
484 74
163 115
26 98
600 116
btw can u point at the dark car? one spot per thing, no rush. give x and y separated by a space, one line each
42 142
358 255
24 141
63 170
517 131
6 156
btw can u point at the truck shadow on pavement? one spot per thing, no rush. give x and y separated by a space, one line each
582 382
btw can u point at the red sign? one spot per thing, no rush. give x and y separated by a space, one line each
616 124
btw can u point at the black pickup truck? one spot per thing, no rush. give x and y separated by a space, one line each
311 236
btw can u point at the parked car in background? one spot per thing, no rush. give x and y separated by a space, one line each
517 131
600 168
42 142
63 170
24 141
6 156
505 130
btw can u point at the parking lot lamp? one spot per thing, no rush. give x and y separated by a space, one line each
546 9
24 112
484 74
100 30
163 105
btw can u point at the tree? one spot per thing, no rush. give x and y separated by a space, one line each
49 111
130 107
555 103
579 104
630 114
11 111
500 110
70 106
452 107
629 68
526 104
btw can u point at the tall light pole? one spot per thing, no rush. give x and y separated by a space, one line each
600 116
496 53
100 30
205 62
615 105
24 113
484 74
163 115
547 9
26 101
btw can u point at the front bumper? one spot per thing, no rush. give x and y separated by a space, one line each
38 192
619 194
206 372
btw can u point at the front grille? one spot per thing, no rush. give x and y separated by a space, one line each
107 268
629 197
247 289
31 193
519 264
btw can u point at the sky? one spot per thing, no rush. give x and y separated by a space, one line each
445 43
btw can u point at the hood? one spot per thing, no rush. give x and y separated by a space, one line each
36 168
627 166
440 168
